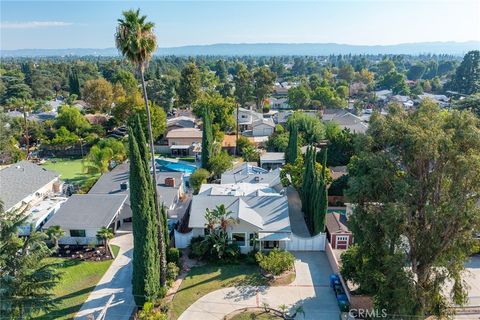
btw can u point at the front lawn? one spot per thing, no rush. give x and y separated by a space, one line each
248 315
208 278
78 279
71 170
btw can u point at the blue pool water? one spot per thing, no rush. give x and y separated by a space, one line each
165 165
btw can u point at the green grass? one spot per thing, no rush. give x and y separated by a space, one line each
248 315
77 280
71 170
208 278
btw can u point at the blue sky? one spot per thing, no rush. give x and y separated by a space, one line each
91 24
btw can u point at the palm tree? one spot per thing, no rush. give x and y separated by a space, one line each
136 41
97 160
55 233
105 234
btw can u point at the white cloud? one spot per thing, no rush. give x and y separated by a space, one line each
34 24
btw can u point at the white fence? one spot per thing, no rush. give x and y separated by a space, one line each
182 240
316 243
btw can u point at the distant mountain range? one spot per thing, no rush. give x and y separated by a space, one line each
267 49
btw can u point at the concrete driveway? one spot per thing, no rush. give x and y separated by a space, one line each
118 281
310 290
297 220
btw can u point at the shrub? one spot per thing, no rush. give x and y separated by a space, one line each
172 271
149 312
198 178
198 247
276 262
173 255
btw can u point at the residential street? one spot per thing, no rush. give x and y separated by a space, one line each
117 280
310 289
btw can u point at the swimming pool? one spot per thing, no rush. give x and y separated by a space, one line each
165 165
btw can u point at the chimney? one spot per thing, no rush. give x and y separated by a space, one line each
124 186
170 182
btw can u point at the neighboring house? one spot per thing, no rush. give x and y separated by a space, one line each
247 173
404 100
180 122
169 185
40 213
260 213
282 117
253 124
281 89
345 120
229 143
24 183
184 141
338 234
279 103
272 160
441 99
83 215
383 95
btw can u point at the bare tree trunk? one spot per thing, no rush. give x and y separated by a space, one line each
161 242
237 152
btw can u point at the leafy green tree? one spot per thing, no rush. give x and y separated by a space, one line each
221 70
416 71
222 110
162 91
55 233
346 72
384 67
64 138
299 97
126 79
198 178
146 260
26 281
278 141
97 160
263 85
218 221
415 172
118 148
396 82
311 127
250 154
341 148
189 86
105 234
72 119
219 163
467 76
137 42
243 85
471 103
98 94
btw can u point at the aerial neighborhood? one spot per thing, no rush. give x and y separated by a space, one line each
152 185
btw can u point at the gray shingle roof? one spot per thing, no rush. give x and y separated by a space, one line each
87 211
268 213
109 183
22 179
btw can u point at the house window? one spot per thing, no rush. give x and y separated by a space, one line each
239 239
342 238
271 244
77 233
252 239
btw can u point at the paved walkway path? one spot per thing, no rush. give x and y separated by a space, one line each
310 290
297 222
117 280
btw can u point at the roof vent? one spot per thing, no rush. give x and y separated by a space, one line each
124 186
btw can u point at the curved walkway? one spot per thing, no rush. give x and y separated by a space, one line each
117 280
310 290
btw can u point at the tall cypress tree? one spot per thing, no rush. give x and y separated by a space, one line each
292 149
166 237
146 272
321 196
207 139
161 219
307 191
73 82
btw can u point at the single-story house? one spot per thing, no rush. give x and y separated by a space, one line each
180 122
25 183
345 120
169 185
83 215
272 160
279 103
338 234
184 141
40 213
260 213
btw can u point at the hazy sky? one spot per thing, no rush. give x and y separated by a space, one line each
91 24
